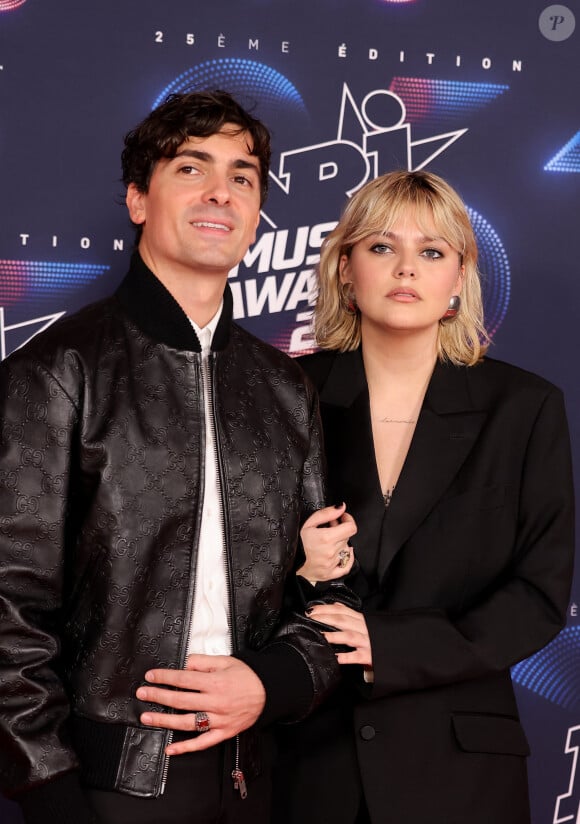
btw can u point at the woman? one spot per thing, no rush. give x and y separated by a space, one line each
457 471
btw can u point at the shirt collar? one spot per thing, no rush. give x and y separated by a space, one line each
206 333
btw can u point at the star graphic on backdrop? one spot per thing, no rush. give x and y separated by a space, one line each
13 336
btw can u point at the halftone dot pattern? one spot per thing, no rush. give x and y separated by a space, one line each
240 77
41 280
10 5
282 341
443 99
567 159
553 673
495 271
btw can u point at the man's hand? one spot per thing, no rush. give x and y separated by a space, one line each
225 688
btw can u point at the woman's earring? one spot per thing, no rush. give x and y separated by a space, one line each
347 299
453 308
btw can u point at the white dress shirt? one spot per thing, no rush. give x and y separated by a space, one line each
210 631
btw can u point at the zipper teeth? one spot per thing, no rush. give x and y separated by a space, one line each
208 372
220 475
237 774
166 758
166 763
231 616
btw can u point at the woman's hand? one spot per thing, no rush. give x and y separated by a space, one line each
351 630
325 537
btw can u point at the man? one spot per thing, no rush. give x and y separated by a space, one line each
156 464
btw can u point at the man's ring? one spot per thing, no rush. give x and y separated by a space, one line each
202 722
343 557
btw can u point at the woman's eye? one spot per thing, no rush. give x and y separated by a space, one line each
380 248
434 254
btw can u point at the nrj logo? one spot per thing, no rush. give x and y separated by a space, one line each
568 804
10 5
372 135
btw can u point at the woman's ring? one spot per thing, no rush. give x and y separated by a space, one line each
343 557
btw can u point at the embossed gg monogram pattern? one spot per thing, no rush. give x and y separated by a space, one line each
101 448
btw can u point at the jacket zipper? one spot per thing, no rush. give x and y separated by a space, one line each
220 474
170 735
165 769
208 379
237 774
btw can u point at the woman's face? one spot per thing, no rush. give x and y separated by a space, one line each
402 280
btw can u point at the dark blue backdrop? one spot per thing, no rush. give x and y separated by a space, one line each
481 93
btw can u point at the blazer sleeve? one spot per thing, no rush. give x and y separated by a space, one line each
522 610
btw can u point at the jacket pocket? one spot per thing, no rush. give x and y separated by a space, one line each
490 734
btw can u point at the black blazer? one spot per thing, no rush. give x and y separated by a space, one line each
467 572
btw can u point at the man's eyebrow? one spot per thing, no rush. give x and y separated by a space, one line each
207 157
195 153
246 164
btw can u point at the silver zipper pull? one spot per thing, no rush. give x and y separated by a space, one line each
240 783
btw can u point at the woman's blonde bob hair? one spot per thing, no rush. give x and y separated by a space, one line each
374 209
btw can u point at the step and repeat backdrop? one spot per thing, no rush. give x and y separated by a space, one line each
484 94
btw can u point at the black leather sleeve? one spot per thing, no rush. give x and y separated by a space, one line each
35 412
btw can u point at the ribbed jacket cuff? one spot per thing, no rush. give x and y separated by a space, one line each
286 679
60 800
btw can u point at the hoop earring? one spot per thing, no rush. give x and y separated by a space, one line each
347 300
453 308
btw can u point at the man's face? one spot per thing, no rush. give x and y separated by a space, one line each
203 206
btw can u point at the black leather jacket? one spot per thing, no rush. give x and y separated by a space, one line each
101 467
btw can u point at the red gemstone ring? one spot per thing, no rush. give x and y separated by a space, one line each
202 722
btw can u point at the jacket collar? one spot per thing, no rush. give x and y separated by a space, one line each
448 389
156 312
447 429
345 380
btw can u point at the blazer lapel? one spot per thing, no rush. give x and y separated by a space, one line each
446 431
351 459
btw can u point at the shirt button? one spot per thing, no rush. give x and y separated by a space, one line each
367 733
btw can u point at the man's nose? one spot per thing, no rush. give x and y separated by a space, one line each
217 189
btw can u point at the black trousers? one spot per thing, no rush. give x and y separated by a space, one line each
199 790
